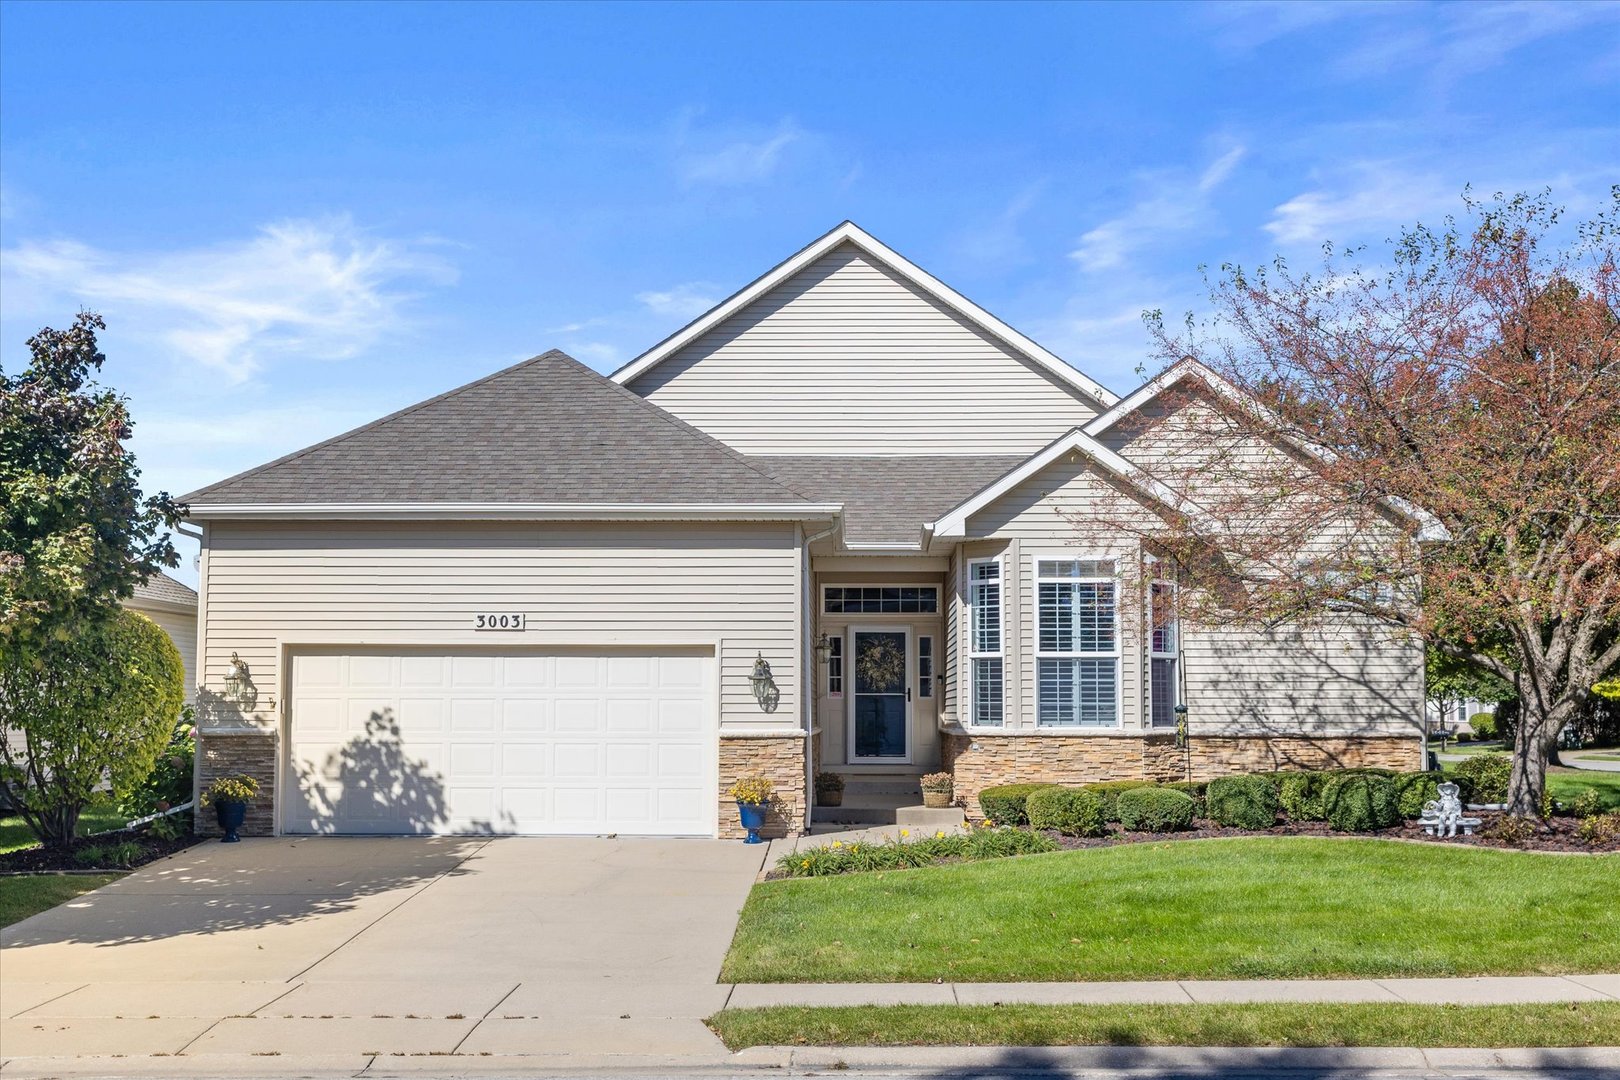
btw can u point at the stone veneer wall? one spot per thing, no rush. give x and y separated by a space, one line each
980 761
781 760
252 753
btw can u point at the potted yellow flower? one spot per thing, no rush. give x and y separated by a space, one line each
753 795
937 789
230 796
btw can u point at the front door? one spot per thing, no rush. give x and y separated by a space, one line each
881 703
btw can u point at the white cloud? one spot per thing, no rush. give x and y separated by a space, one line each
1376 198
597 354
322 289
1174 203
686 301
732 158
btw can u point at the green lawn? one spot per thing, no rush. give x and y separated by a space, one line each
1258 907
1600 757
29 894
1565 784
1584 1024
14 835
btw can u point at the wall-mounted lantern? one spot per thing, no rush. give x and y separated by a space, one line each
765 689
239 688
823 648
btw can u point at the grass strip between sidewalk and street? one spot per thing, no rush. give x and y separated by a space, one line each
1250 908
1268 1024
22 895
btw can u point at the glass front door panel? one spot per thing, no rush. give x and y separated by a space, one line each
881 693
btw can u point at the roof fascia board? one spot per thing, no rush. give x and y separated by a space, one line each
517 511
142 603
849 232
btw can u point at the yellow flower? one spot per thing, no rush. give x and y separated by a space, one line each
939 835
905 832
837 843
805 865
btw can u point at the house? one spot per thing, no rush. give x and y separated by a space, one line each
173 606
826 526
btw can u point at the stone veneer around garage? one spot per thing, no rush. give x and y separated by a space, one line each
779 759
253 753
980 761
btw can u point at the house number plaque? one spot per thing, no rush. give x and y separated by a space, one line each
498 621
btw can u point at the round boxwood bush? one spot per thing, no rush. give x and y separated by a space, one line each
1109 792
1193 789
1483 725
1004 805
1413 789
1155 809
1300 795
1360 802
1242 802
1070 811
1484 778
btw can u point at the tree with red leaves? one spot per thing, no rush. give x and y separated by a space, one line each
1441 452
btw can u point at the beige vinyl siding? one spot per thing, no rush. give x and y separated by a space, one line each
734 587
847 358
1341 677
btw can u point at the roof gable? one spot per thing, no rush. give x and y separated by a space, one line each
546 431
850 233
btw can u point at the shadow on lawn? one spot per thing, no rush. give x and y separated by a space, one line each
370 783
1216 1063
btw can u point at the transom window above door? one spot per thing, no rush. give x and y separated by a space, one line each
880 600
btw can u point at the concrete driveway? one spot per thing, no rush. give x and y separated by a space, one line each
342 949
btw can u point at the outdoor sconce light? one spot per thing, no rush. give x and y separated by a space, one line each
823 648
765 690
239 688
1181 727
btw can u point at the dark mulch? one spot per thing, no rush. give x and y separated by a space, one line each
36 860
1559 834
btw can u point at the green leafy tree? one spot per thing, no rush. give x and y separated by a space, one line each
81 682
1449 678
102 706
75 533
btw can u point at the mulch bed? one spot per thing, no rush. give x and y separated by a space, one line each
36 860
1559 835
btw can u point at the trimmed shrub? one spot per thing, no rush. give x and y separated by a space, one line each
1155 809
1483 725
1587 804
1600 828
1510 830
1070 811
1242 802
1413 789
1360 802
1484 778
1109 792
1300 795
1193 789
1004 805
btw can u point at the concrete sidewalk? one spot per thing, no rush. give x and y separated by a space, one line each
1519 990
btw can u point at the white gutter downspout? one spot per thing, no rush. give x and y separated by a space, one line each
809 688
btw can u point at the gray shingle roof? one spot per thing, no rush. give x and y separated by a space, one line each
548 430
162 589
889 499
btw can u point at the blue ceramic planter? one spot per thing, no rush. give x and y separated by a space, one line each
230 815
753 819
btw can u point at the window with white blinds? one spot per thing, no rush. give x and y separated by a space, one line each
1164 660
985 659
1077 653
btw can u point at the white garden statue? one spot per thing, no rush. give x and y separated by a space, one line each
1441 818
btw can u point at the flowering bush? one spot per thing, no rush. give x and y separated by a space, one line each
903 852
752 789
241 788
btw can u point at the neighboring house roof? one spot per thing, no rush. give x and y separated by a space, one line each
547 434
850 233
162 590
953 525
888 500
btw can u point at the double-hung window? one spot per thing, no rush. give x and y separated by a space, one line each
1077 643
1164 654
985 661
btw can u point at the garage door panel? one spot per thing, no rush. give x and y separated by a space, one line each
519 742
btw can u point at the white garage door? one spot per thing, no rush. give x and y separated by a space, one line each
504 742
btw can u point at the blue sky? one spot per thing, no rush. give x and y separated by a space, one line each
297 218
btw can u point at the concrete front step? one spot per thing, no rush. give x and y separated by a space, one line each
889 811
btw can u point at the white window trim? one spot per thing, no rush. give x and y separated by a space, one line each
1155 654
1117 655
970 654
